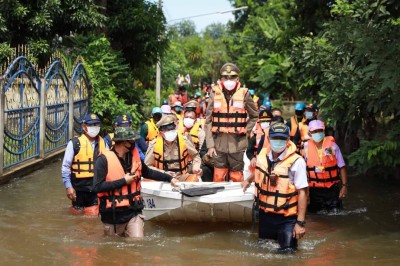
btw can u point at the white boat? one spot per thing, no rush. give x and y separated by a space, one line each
231 204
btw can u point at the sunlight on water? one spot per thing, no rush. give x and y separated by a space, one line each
36 229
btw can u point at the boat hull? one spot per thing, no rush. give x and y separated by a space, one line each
229 205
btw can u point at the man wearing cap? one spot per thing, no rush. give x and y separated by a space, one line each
78 165
149 130
296 122
231 115
326 170
281 190
171 152
117 184
192 127
126 121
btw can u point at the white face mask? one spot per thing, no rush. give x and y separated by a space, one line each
229 84
170 135
93 131
278 145
188 122
264 125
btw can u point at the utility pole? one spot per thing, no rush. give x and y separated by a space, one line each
158 71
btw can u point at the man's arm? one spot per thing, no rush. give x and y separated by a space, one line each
194 154
149 173
144 130
250 148
251 112
208 124
66 165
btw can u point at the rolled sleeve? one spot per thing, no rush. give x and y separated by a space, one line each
208 124
66 165
298 173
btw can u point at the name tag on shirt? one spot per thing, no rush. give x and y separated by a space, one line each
238 104
217 105
319 169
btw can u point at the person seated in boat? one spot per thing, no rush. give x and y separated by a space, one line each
117 184
281 190
191 127
172 152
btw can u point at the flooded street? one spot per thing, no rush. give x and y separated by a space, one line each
36 229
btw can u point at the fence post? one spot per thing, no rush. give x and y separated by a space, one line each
42 118
2 120
71 108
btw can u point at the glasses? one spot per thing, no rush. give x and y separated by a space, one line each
229 77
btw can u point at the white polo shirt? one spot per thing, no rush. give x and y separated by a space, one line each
297 172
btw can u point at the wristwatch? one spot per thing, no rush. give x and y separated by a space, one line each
301 223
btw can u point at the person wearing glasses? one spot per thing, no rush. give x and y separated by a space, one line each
230 117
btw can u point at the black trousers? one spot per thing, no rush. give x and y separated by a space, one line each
278 227
85 199
324 199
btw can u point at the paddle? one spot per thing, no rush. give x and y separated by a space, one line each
200 191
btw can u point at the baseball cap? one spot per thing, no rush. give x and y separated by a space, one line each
316 124
90 119
279 130
123 120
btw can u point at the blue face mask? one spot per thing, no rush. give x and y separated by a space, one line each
309 115
278 145
177 109
318 137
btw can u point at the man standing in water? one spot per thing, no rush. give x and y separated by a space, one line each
281 190
117 184
326 170
78 164
231 115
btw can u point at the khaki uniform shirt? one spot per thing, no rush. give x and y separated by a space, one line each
171 153
229 142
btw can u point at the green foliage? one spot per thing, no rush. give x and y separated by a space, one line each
137 29
37 23
199 56
113 91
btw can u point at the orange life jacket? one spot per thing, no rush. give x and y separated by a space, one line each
125 196
194 134
259 132
152 130
255 99
161 163
232 117
294 125
281 198
322 172
83 163
304 131
182 98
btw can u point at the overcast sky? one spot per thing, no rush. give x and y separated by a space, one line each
176 9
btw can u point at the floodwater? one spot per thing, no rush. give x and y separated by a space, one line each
36 229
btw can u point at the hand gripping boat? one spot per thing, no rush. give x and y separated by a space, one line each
197 202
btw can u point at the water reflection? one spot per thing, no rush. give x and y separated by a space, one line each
36 229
